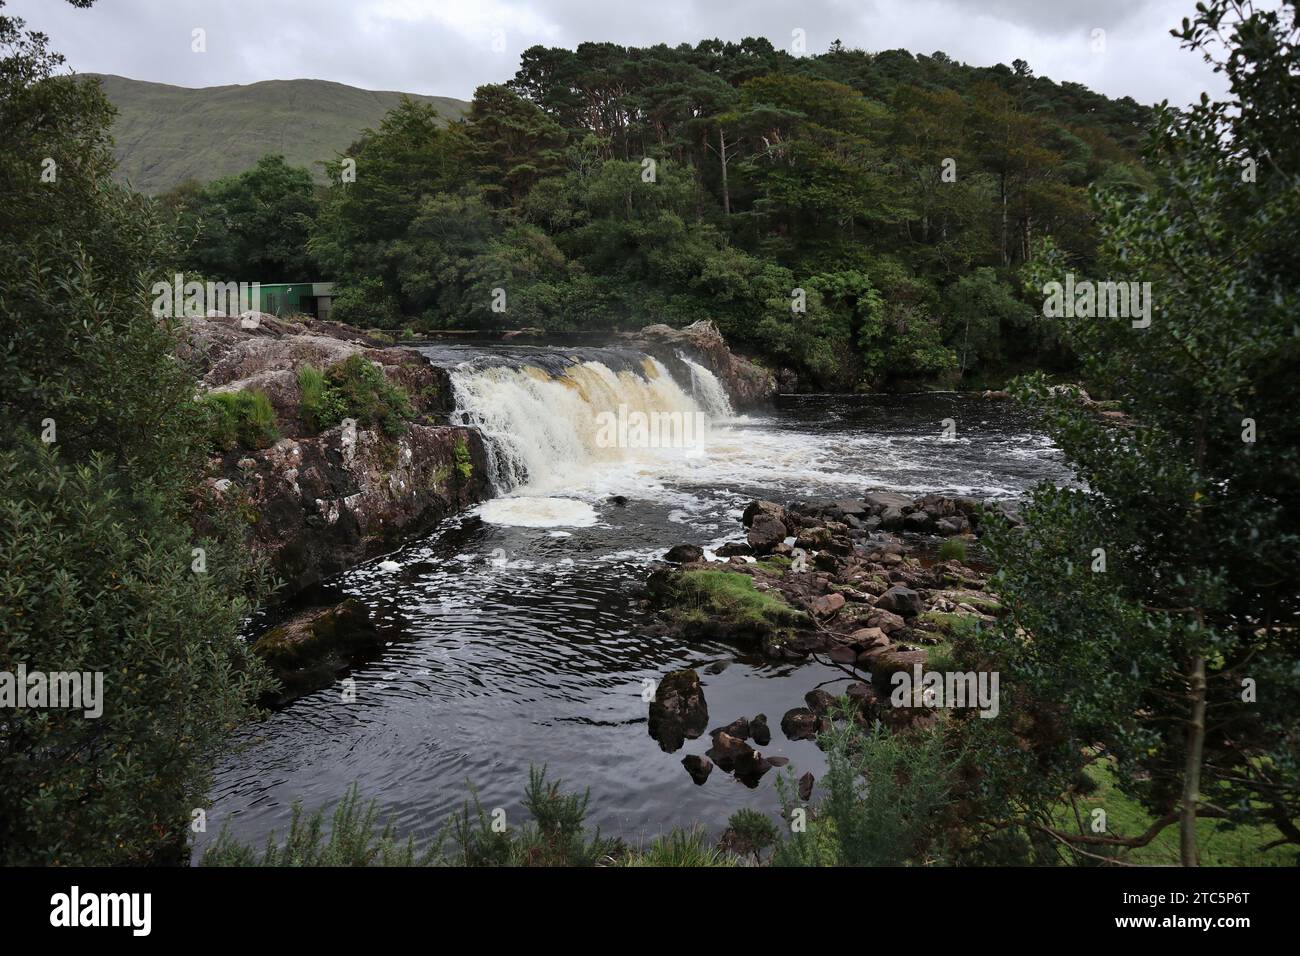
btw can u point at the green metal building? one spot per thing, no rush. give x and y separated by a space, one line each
290 298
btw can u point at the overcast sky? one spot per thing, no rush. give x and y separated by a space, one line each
448 47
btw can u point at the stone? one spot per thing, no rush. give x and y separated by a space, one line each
826 605
765 533
684 554
800 723
698 767
679 711
727 750
902 601
759 730
806 783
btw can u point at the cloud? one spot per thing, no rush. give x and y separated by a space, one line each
449 47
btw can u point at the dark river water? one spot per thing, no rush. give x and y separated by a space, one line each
515 634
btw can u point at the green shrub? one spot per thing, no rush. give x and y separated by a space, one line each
240 420
355 839
464 467
362 392
952 549
885 794
750 832
321 405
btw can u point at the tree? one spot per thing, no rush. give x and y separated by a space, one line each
98 474
1155 606
253 226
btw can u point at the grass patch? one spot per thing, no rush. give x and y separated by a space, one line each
240 420
953 549
1219 844
726 604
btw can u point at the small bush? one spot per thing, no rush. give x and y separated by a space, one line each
322 406
885 797
240 420
366 395
749 833
953 549
464 467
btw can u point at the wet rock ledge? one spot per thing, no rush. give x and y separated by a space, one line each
318 503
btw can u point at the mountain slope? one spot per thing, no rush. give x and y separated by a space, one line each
167 134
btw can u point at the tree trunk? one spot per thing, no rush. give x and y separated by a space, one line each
1192 768
722 155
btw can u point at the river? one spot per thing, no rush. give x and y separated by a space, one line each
515 634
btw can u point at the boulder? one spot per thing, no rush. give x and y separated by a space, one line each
902 601
918 522
684 554
800 723
306 651
727 750
766 531
819 701
734 549
806 783
879 501
825 606
679 711
698 767
891 662
759 730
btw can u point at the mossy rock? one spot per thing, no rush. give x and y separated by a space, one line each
307 650
725 605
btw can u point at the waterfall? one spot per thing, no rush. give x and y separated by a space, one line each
707 390
544 428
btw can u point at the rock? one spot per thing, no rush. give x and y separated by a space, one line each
819 701
727 750
847 506
619 501
755 508
765 533
918 522
843 654
684 554
800 723
889 663
738 728
307 650
679 711
746 384
879 501
698 767
734 548
806 783
891 519
868 639
325 502
825 606
887 621
901 600
758 729
957 524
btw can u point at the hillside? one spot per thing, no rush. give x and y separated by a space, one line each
167 134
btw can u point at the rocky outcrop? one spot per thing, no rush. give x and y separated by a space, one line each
320 503
747 383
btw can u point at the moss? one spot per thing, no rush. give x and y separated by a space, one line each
953 625
726 604
953 549
776 563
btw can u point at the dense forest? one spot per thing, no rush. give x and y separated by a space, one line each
857 219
